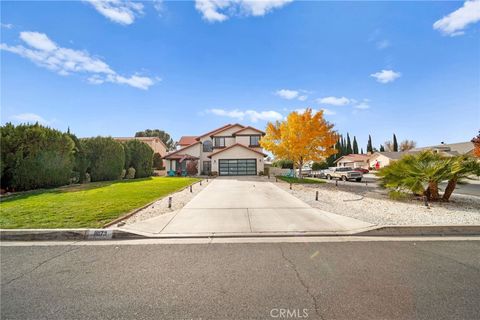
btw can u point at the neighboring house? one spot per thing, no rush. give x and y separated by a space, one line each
379 160
450 149
353 161
155 143
231 150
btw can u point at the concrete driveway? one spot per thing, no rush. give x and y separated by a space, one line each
246 206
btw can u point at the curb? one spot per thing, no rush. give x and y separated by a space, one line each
119 234
65 234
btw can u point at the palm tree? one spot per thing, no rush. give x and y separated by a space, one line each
419 173
460 168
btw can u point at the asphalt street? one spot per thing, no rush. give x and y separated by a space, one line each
309 280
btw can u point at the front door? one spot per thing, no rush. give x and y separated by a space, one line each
207 167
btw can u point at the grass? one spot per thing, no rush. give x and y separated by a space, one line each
298 180
84 206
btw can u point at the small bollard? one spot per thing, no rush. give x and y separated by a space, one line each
290 186
200 182
336 183
169 202
276 179
316 196
191 188
425 202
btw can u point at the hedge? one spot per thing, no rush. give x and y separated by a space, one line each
106 158
141 158
34 156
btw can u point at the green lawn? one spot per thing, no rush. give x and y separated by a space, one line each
297 180
87 205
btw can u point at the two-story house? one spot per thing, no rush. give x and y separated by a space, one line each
231 150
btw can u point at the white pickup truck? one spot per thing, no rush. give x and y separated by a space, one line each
343 173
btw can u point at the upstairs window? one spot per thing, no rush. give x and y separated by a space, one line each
255 141
207 146
219 142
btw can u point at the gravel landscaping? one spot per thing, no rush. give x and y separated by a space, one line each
372 205
179 200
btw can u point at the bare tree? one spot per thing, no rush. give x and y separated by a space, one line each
388 146
406 145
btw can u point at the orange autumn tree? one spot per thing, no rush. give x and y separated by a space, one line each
301 137
476 144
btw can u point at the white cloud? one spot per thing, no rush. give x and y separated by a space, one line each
362 106
253 115
38 41
334 101
386 76
287 94
159 5
455 23
45 53
292 94
29 118
119 11
221 10
7 25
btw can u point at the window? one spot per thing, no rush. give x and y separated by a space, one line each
255 141
207 146
219 142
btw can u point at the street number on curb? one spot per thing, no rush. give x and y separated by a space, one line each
99 234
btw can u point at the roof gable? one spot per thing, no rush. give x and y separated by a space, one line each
248 128
236 145
213 131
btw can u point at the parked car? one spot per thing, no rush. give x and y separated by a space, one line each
343 173
362 170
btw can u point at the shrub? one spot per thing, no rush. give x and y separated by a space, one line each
34 156
157 161
398 195
130 173
141 158
319 166
106 158
284 164
124 173
81 162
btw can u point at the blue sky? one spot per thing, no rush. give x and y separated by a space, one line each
117 67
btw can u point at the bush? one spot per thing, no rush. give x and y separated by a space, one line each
130 173
34 156
319 166
141 158
106 158
124 173
81 162
284 164
157 161
398 195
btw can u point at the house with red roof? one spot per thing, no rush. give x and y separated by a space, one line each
354 161
231 150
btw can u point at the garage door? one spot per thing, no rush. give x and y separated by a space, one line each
237 167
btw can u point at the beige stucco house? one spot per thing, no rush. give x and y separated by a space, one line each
382 159
353 161
231 150
155 143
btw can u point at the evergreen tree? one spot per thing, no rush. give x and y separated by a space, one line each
361 151
395 143
349 145
382 149
355 145
369 144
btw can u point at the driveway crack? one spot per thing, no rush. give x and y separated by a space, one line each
41 264
302 282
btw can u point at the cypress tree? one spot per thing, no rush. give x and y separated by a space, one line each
361 151
349 145
369 144
355 145
382 149
395 143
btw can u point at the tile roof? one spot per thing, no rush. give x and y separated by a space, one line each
187 140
